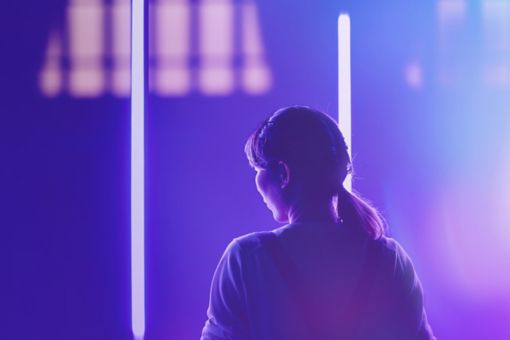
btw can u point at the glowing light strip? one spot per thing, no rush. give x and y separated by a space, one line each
344 84
137 170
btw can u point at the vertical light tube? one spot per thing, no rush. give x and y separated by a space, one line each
344 84
138 85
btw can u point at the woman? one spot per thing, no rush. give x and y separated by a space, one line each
330 272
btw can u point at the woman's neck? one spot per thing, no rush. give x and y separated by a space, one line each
313 210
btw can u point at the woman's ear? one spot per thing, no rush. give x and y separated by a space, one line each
283 174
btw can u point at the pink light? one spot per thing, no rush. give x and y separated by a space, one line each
172 47
50 78
121 47
256 77
86 28
413 75
216 44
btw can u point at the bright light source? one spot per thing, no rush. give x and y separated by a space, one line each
413 75
50 78
216 46
172 46
120 47
86 48
344 84
137 169
256 76
450 13
227 31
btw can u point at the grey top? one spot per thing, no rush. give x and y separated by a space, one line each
315 281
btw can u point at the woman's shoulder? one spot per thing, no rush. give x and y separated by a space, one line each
397 261
384 248
251 241
388 244
393 248
250 244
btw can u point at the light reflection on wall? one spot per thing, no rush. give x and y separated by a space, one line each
470 215
474 235
496 32
451 15
170 47
90 56
50 78
86 48
216 46
256 76
413 74
121 31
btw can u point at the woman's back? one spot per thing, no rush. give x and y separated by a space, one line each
329 273
315 281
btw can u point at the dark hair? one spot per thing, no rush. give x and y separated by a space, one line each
313 147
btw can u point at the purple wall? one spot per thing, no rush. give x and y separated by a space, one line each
432 157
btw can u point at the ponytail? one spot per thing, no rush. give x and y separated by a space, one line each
356 212
312 143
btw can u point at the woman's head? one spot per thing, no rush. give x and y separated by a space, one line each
308 142
300 156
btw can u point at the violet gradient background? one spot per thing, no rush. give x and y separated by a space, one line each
431 159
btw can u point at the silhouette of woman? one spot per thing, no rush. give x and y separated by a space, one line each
330 272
